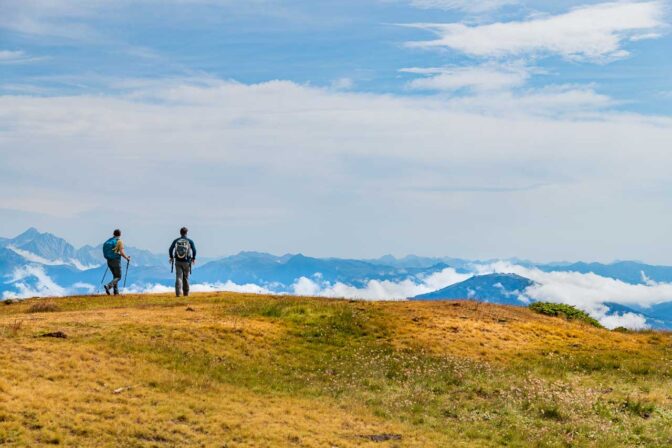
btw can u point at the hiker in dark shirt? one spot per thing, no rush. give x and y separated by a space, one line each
183 253
113 250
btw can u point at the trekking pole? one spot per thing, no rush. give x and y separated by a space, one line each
102 280
126 275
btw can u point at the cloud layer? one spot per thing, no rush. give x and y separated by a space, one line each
465 5
377 289
444 168
32 281
484 78
588 292
254 154
595 33
15 57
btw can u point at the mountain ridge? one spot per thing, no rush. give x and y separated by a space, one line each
36 263
502 288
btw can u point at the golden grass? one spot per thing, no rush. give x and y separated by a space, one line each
43 307
498 333
241 370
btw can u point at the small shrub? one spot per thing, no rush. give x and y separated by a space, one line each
43 307
347 321
639 408
551 412
621 330
272 310
8 301
592 363
561 310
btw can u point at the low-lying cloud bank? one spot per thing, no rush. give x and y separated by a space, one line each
316 286
201 287
588 292
576 288
32 281
378 289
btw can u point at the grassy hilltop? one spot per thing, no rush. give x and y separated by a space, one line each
235 370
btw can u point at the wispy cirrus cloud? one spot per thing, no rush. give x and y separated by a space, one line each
75 19
554 101
595 33
464 5
502 88
487 77
17 57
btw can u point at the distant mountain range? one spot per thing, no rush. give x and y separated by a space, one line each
26 257
39 264
48 249
627 271
262 268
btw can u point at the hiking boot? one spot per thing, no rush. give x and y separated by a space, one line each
107 289
116 291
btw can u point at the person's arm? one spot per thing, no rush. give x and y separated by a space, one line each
193 251
170 251
120 250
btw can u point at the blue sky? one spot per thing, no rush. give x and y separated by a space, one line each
351 128
306 42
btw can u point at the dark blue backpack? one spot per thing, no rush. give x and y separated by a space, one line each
108 249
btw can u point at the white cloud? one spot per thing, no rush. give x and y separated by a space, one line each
16 57
552 100
29 256
72 19
34 258
627 320
481 78
595 33
228 286
56 18
32 281
281 165
81 266
465 5
379 289
343 84
87 288
586 291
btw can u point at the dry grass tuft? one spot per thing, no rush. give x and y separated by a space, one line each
13 328
43 307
